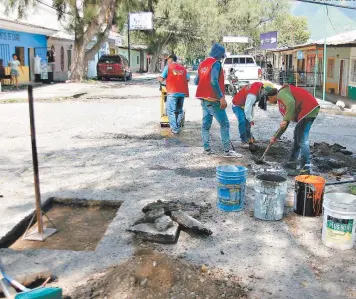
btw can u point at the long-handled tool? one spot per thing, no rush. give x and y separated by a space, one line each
262 159
6 288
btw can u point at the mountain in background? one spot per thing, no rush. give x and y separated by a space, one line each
340 20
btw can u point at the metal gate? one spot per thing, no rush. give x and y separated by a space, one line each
5 54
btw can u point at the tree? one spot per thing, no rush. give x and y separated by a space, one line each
89 20
292 30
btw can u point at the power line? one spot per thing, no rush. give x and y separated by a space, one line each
45 4
326 4
327 13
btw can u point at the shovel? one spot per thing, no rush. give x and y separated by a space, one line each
262 159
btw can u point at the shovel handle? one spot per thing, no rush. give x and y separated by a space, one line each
265 152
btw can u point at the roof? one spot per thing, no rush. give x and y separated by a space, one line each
25 27
343 39
339 39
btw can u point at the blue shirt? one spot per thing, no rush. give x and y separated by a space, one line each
214 79
164 76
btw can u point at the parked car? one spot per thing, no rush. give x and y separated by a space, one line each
113 66
245 66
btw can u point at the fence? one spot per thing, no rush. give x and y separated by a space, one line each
304 79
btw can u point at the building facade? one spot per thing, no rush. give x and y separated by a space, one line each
27 42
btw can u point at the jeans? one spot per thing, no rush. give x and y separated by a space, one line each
175 112
210 110
301 141
244 124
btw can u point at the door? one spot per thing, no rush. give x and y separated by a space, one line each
343 77
31 63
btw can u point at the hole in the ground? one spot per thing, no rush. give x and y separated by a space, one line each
81 225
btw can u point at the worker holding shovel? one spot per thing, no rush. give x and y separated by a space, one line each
243 104
177 78
297 105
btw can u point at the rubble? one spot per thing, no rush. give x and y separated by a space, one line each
163 223
151 216
190 223
148 232
162 220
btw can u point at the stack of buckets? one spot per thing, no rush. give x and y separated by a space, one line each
338 209
231 187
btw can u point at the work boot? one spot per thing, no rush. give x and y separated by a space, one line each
290 165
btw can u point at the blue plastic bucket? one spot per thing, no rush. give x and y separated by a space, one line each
231 181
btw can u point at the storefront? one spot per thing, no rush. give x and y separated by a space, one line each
27 42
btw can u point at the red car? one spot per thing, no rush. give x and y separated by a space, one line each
113 66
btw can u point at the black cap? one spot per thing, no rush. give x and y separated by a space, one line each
173 56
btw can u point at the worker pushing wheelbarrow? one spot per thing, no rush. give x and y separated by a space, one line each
173 94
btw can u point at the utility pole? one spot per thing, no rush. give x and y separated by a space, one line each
324 55
128 38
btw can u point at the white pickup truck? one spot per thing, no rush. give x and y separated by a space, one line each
246 68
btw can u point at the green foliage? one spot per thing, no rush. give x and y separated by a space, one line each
291 30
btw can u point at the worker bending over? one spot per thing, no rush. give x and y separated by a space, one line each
297 105
177 79
210 90
243 104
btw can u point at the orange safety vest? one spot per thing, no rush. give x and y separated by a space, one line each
304 102
177 79
204 89
240 98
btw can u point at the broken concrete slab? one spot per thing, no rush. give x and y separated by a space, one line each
191 208
188 222
346 152
148 232
151 216
163 223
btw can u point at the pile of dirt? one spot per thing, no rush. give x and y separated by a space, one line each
326 158
153 275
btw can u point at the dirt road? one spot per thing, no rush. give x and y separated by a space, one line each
105 144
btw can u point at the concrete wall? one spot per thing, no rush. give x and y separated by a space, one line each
352 83
61 67
135 59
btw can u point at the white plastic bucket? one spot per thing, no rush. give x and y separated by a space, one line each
339 220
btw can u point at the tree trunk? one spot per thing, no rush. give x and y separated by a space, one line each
79 64
154 61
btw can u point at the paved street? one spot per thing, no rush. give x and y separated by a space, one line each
106 144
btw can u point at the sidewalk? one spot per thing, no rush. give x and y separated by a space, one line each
50 91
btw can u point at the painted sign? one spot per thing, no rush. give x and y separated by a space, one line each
141 21
300 55
9 36
268 40
235 39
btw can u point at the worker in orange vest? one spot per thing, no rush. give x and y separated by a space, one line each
211 93
296 105
242 106
177 79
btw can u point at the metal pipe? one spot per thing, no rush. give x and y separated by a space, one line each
35 162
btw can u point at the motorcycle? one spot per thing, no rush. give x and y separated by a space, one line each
233 86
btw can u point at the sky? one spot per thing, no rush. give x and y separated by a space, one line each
339 20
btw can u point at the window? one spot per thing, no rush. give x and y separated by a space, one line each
138 59
20 53
228 61
69 54
353 70
331 67
249 60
